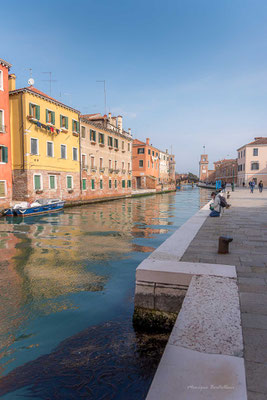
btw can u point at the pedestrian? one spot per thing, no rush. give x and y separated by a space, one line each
251 185
243 184
215 205
260 186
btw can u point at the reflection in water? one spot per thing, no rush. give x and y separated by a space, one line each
63 273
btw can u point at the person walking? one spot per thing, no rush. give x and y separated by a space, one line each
260 185
251 185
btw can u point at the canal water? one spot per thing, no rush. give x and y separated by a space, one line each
67 296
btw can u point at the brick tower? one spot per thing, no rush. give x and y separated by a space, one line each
203 167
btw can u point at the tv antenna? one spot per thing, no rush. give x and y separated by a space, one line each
50 80
105 96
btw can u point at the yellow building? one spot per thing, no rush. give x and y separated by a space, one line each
45 146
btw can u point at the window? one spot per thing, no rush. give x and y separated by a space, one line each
63 151
101 184
84 161
115 183
157 154
129 166
148 164
254 166
34 111
92 184
75 126
83 132
123 165
110 164
122 145
116 166
255 152
52 182
2 122
109 184
1 81
141 163
34 146
149 151
50 149
75 154
2 188
92 135
153 153
101 138
116 143
110 141
84 184
129 146
64 122
92 162
101 163
123 183
69 182
37 181
129 183
141 150
3 154
50 117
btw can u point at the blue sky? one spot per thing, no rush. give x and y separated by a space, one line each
185 73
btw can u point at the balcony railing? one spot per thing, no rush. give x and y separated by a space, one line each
110 170
123 171
85 167
2 128
101 169
116 171
93 169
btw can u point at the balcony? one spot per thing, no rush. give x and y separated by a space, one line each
116 171
2 128
130 172
110 170
85 167
116 148
123 171
93 169
75 133
101 169
93 141
102 144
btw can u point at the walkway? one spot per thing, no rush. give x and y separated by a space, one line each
246 222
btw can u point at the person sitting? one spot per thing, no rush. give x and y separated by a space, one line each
215 206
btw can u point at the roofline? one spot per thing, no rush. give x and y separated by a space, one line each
27 90
5 63
252 144
88 121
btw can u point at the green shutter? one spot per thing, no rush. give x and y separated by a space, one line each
53 117
73 130
93 183
109 184
123 183
60 121
37 182
78 126
37 112
5 154
101 184
52 182
69 182
46 115
67 122
84 184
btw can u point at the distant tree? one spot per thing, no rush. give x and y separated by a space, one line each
192 177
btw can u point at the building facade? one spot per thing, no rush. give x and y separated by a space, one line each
145 165
252 162
164 167
5 138
203 168
106 157
45 146
225 170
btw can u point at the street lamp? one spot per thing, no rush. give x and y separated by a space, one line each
233 184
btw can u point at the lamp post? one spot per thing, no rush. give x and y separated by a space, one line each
233 184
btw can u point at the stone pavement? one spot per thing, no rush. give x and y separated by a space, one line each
246 222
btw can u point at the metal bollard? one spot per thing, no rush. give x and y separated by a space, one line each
224 244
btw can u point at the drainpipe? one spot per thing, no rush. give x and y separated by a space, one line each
22 127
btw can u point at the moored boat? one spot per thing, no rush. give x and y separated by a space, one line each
40 206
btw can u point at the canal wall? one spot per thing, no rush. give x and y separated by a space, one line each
204 355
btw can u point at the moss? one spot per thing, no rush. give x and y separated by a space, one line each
153 321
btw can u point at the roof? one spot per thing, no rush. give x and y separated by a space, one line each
256 142
31 89
138 142
5 63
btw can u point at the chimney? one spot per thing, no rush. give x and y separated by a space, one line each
11 82
130 131
119 121
166 151
109 117
147 140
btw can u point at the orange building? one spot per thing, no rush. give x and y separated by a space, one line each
5 138
145 165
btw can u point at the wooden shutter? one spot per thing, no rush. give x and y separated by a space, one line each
73 130
37 112
46 116
60 120
84 184
37 182
53 117
2 188
4 154
30 109
78 126
66 122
